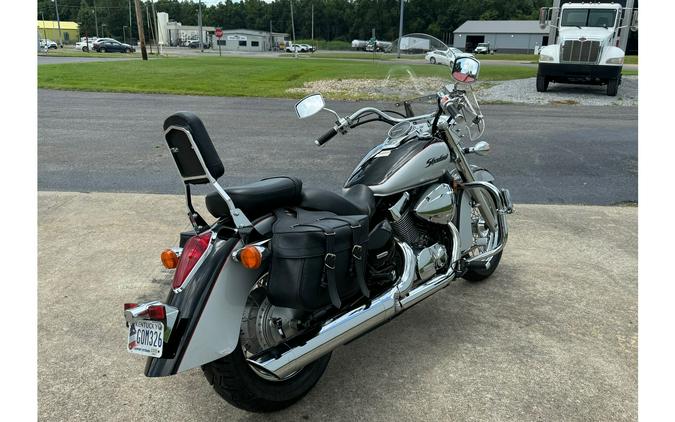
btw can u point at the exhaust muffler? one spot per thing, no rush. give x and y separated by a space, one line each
348 326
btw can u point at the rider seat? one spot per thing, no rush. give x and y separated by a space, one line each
259 198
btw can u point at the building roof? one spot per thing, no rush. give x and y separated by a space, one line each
55 25
500 27
252 32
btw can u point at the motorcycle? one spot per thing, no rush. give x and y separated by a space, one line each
432 217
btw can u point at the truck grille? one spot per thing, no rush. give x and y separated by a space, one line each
576 51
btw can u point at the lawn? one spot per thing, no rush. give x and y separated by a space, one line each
234 76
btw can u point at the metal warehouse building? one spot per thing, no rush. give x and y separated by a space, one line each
50 30
504 36
250 40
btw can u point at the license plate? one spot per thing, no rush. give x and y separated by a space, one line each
146 338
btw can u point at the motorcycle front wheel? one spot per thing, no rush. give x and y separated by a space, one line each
483 240
248 388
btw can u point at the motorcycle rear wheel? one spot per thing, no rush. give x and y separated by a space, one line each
247 387
235 381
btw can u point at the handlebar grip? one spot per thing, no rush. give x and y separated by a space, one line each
326 137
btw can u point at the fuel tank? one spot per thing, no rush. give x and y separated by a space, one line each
387 171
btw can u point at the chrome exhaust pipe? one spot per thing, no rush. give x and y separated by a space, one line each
348 326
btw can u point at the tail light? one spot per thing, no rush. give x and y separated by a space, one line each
193 250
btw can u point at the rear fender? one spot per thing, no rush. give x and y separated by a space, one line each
211 308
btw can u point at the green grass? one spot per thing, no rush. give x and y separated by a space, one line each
630 60
232 76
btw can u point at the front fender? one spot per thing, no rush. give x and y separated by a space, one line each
210 310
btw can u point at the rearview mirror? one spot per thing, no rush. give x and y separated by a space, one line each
309 106
634 24
465 70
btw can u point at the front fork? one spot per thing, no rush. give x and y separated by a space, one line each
495 221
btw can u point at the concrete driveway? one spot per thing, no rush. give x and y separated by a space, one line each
552 336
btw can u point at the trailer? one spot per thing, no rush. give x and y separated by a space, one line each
589 43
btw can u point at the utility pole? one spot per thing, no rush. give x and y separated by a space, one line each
201 31
271 37
312 23
292 22
139 25
400 31
58 22
44 27
95 19
131 31
147 17
155 27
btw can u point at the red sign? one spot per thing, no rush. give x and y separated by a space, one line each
219 33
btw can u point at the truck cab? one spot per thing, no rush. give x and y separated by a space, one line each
482 48
587 49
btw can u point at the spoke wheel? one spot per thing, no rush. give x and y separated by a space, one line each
264 326
483 240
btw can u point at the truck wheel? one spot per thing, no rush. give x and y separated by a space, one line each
612 87
542 83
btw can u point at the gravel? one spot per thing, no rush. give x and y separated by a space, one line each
524 91
520 91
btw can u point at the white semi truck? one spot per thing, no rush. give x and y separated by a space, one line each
588 43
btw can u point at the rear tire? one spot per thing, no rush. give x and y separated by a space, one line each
432 60
542 83
128 50
612 87
235 381
102 50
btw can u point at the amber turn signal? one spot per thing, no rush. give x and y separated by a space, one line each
169 259
250 257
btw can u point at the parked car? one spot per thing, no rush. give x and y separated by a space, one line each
444 57
48 44
112 46
482 48
98 41
195 44
84 46
308 48
292 48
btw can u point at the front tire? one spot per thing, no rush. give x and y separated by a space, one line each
542 83
484 240
432 60
612 87
235 381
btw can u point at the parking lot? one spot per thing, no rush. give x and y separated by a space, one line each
551 336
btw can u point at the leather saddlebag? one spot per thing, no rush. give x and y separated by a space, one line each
318 259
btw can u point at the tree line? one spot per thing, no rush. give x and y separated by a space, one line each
333 19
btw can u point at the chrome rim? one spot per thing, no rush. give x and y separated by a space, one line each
264 325
483 239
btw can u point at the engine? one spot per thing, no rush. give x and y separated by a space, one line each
421 226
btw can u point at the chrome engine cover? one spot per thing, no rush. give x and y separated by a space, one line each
430 260
437 205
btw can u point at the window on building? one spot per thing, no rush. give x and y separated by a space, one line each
222 42
255 44
242 43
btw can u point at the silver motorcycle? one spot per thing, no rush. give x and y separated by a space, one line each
433 217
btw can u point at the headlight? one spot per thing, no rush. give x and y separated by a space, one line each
545 58
615 60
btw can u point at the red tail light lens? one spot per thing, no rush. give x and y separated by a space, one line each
155 312
193 250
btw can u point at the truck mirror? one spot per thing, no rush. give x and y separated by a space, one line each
543 12
634 23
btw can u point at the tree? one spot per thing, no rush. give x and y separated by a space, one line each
85 18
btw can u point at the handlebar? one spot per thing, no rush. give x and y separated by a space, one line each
326 137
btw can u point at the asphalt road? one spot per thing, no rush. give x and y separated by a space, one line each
551 336
113 143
